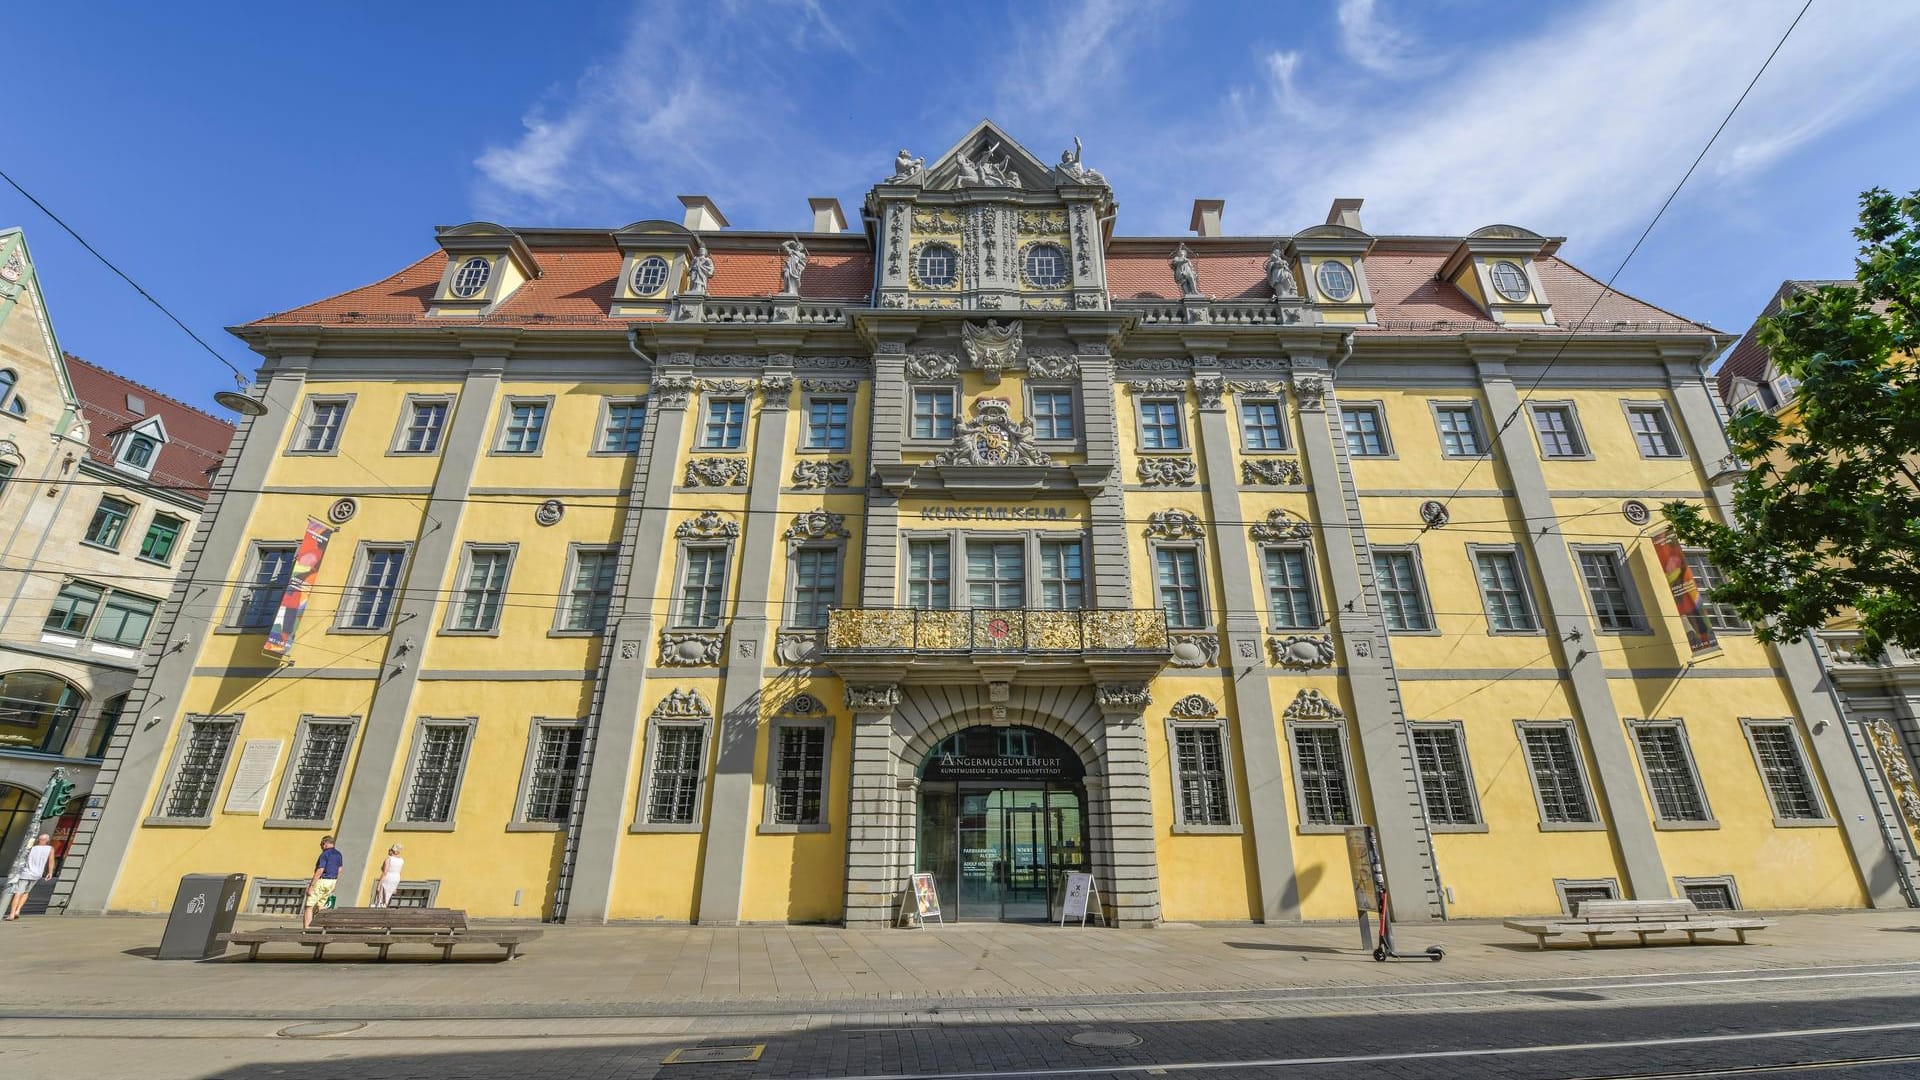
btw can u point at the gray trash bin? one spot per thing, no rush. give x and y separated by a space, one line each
203 909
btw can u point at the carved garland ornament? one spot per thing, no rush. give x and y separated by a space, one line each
776 390
1168 472
682 705
710 525
822 474
689 649
1048 366
1280 527
1122 697
873 697
927 367
830 386
992 437
672 391
1893 762
1209 388
816 525
1281 472
796 647
1194 650
1311 704
717 472
992 348
1302 652
1193 707
1310 391
1174 524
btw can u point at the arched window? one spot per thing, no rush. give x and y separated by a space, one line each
139 452
110 714
7 379
37 711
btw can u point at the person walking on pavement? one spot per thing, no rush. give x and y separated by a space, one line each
326 876
389 881
39 866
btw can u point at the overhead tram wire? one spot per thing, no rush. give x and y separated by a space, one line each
1607 288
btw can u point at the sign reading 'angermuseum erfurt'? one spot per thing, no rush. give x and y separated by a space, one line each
978 767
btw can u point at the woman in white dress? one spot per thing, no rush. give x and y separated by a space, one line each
384 888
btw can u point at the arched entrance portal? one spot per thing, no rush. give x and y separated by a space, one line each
1003 815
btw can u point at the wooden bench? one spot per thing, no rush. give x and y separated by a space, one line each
1598 918
382 929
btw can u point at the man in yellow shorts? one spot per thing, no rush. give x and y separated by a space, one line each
326 875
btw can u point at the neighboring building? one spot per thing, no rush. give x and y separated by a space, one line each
737 587
101 482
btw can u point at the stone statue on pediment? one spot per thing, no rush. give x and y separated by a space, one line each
907 169
1184 275
987 170
699 270
1072 171
796 265
1280 274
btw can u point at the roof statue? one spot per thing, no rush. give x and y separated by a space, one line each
796 265
907 169
699 270
1280 274
1184 275
987 171
1072 171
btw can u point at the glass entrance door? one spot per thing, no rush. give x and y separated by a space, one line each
1012 842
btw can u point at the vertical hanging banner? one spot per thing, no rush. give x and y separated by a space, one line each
1686 595
313 548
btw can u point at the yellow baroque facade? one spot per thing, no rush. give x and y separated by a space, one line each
687 573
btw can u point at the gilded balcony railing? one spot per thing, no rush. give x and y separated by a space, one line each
1007 630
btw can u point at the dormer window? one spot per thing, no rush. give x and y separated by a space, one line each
650 275
137 448
1336 280
471 278
1510 281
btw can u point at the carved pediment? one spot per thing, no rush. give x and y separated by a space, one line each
988 157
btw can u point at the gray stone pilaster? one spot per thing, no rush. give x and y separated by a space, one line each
1565 604
1120 812
729 820
1854 807
875 871
1112 576
1266 815
613 729
880 538
126 777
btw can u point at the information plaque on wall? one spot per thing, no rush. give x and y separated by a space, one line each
253 776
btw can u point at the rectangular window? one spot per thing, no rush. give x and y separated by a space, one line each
6 474
816 585
1555 762
1459 430
163 535
1606 580
1366 431
556 768
626 422
73 609
1559 435
703 586
526 427
1402 597
1062 575
1789 784
673 792
1053 414
996 574
109 522
322 432
829 423
1160 425
1321 762
1504 592
426 421
1706 577
315 771
1201 760
1710 895
929 575
202 758
1573 896
483 590
1652 431
590 591
1445 784
371 601
1263 424
726 426
125 619
1290 589
1177 572
436 773
272 567
932 413
800 775
1670 776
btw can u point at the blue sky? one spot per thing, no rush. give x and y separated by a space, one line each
245 159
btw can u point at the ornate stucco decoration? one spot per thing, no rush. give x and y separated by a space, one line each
832 363
1209 388
794 267
992 437
1122 696
1147 366
1302 652
1435 514
1280 275
1195 650
727 386
830 386
549 513
1310 391
1168 472
1279 528
1158 386
1258 387
908 169
1311 704
992 348
710 525
873 697
1279 471
816 525
1042 222
952 284
1174 524
682 705
803 704
717 472
690 649
340 511
823 474
936 219
776 390
1052 366
1071 171
1193 707
931 366
1893 763
794 647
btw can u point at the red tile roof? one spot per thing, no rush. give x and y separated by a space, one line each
196 441
1749 358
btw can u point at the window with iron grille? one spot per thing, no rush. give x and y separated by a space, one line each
1503 591
436 772
1365 430
996 574
197 775
1320 759
372 599
1606 580
1177 573
556 765
477 608
426 420
1652 431
1710 895
816 585
1290 589
1555 761
703 586
1263 426
626 423
1459 430
1062 575
1053 414
929 574
1200 757
322 433
1559 435
1670 776
315 771
525 429
1445 784
829 423
800 774
1789 784
1160 425
411 896
673 792
1706 577
280 899
932 413
272 568
1575 895
109 522
726 424
590 590
1403 598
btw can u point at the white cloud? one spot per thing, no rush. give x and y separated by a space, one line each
1376 45
1068 59
1281 67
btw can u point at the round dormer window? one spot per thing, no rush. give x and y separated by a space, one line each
1510 281
937 265
1046 266
649 275
1336 280
471 277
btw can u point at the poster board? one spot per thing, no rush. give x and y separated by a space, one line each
1360 865
253 776
1077 894
920 901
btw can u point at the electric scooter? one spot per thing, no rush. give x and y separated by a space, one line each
1384 950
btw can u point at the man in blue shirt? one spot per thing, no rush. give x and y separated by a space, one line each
326 875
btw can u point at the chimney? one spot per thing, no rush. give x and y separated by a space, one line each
1346 212
827 216
702 215
1206 216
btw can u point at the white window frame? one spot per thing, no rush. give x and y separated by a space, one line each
675 615
1594 822
1822 815
705 422
1481 437
1075 413
1726 613
1379 410
564 607
1636 603
499 446
807 402
1179 403
405 426
1660 820
942 541
457 596
1412 551
349 597
1316 613
1201 573
302 734
914 392
1521 575
1279 403
1582 448
837 555
1037 597
296 445
1671 431
243 592
604 425
181 739
1223 730
399 822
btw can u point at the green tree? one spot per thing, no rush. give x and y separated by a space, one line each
1827 517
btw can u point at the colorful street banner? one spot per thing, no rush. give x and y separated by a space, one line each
1686 594
313 548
